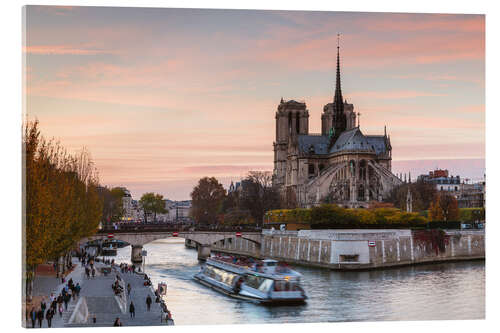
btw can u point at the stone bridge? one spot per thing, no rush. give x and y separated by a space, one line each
203 239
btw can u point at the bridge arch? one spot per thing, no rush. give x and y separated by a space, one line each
203 239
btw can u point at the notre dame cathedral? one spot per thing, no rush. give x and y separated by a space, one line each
341 165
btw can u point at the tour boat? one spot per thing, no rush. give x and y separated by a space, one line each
264 282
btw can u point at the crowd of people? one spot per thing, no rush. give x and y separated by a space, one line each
55 305
48 309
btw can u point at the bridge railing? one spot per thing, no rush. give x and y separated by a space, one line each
151 227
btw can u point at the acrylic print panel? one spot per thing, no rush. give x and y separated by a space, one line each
246 166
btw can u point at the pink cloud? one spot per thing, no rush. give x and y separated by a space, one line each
56 10
63 50
396 94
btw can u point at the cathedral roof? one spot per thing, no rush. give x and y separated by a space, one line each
378 142
351 140
319 144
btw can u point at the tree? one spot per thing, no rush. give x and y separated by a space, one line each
61 201
159 205
112 200
444 208
258 195
152 204
207 198
422 194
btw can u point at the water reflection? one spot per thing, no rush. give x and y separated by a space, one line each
423 292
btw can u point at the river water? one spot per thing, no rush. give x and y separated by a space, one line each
422 292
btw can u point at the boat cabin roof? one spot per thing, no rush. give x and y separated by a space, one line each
270 262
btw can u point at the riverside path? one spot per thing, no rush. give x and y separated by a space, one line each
105 307
101 301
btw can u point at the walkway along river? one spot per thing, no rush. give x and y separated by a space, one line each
453 290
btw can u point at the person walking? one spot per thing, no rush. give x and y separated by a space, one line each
87 272
93 272
117 322
33 317
60 311
67 298
128 289
49 316
77 289
43 306
132 310
148 302
39 316
60 302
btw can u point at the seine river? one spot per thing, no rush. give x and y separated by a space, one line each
422 292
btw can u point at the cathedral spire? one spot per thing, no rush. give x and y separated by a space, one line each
339 117
338 91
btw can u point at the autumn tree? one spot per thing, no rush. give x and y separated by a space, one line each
112 200
61 202
207 198
422 194
258 194
444 208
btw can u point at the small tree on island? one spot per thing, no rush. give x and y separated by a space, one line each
444 208
207 198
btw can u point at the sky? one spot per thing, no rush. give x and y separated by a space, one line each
162 97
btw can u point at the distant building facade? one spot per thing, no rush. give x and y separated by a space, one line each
340 165
467 195
443 181
472 195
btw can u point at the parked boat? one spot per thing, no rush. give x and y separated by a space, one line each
265 282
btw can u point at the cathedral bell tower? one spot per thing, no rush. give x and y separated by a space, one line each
292 119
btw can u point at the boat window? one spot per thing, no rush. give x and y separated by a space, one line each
253 281
285 286
266 285
220 275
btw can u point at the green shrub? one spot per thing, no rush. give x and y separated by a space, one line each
331 216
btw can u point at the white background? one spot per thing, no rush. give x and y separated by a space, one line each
10 131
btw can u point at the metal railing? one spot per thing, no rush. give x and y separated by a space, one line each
152 227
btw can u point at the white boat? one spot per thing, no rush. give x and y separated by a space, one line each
265 282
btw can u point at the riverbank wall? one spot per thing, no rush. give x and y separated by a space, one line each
360 249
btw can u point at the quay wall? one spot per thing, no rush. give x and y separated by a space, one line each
360 249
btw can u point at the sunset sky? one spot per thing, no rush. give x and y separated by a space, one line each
163 97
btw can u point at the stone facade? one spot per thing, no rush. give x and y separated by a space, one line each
359 249
340 165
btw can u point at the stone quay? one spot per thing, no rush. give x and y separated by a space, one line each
355 249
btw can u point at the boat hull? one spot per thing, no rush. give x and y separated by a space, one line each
269 302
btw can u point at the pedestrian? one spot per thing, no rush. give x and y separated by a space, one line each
39 316
66 300
93 272
77 289
117 322
148 302
60 311
48 316
132 310
33 317
87 272
53 305
43 305
128 289
60 301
